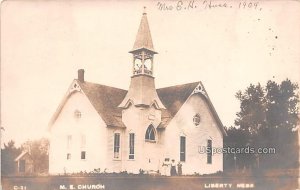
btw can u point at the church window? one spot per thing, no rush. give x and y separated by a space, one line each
77 114
83 155
209 151
131 146
117 145
150 133
69 156
69 141
196 119
182 148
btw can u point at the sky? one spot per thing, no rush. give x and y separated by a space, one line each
44 43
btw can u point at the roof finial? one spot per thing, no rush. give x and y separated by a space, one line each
144 13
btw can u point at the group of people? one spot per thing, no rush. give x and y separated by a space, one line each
170 168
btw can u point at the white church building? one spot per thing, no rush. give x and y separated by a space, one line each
142 128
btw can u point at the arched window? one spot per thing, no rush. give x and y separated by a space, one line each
150 133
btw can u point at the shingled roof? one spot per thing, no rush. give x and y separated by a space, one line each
105 100
175 96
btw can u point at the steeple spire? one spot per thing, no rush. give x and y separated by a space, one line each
143 51
143 38
142 91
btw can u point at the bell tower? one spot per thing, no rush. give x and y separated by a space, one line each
142 107
142 91
143 51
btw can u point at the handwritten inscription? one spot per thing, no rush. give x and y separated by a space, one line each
182 5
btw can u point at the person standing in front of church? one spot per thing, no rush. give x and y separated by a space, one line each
173 168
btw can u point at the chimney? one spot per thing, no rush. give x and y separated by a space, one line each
81 75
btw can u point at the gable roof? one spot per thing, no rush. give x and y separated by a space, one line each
175 96
24 153
105 100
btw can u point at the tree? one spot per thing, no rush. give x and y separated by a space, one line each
236 138
270 107
282 104
252 115
38 149
270 114
9 154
